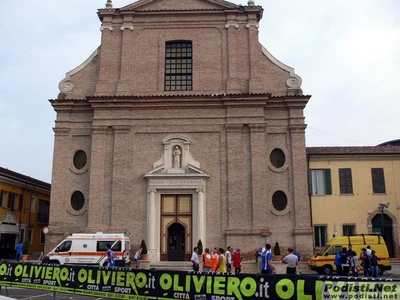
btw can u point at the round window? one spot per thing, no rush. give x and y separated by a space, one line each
77 200
277 158
279 200
80 159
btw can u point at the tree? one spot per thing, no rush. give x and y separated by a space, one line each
144 248
277 249
200 246
25 249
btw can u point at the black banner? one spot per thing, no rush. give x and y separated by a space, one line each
127 283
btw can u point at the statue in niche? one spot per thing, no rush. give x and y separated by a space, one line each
177 157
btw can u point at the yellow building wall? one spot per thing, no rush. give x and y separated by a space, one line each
26 217
357 209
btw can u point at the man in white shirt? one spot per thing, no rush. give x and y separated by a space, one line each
195 259
291 260
228 255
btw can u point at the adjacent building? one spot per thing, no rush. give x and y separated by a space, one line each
24 212
355 190
181 126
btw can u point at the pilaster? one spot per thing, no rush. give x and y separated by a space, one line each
258 175
233 132
96 188
120 178
125 80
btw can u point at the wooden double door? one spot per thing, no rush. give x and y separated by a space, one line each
176 227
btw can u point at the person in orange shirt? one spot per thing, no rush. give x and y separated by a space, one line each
208 261
215 260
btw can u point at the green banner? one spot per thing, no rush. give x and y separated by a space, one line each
128 283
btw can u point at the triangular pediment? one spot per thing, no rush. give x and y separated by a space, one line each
156 5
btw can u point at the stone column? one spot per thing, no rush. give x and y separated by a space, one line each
151 224
120 199
200 216
96 188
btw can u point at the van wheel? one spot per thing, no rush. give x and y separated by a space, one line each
327 270
380 270
54 262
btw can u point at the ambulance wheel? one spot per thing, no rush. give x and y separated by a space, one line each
54 262
327 270
380 270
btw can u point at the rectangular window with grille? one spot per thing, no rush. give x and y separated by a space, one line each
11 199
378 181
320 235
178 66
349 230
345 181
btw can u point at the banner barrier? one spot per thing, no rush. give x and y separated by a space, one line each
129 283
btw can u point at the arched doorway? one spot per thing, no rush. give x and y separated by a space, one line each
383 224
176 242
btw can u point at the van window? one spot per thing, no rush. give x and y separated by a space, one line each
127 246
335 249
65 246
102 245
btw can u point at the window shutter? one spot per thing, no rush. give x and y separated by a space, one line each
309 182
21 199
328 182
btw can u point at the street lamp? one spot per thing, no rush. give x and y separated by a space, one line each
383 205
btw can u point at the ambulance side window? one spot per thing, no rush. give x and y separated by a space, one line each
101 246
64 247
127 246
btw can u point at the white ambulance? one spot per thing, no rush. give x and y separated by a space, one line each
91 249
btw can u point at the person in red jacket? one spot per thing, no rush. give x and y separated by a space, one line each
237 261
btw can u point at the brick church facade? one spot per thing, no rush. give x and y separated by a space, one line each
181 126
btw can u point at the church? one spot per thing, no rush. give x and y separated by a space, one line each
182 127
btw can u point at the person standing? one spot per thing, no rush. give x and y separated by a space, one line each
215 257
292 261
374 264
346 260
237 261
266 261
221 267
195 259
136 258
208 261
110 256
228 255
354 264
258 254
366 263
18 250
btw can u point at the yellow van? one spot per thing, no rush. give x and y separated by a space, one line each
322 262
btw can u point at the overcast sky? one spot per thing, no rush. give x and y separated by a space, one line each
346 51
